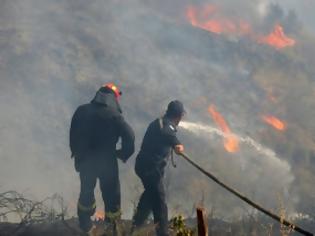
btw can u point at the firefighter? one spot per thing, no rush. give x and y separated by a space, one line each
159 141
95 130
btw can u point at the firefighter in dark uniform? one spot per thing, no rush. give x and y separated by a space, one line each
95 130
158 142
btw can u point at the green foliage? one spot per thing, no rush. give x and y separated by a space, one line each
179 227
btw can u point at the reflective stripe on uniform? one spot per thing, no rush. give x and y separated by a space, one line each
161 123
85 208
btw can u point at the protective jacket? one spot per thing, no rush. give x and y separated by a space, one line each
96 128
158 141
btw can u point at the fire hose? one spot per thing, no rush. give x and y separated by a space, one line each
245 199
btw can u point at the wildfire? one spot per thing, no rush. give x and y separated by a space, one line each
231 143
208 17
277 38
99 215
274 122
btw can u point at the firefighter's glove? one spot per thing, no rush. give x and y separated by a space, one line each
179 149
119 155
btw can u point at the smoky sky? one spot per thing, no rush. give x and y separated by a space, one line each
54 55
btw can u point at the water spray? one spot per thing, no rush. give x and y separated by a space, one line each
196 128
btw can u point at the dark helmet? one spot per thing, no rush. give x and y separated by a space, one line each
175 109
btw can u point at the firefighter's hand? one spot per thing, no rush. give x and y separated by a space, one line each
119 155
179 149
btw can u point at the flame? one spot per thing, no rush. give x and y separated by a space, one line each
99 215
231 142
208 17
218 119
274 122
277 38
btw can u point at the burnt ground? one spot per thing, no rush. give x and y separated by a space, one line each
66 228
248 226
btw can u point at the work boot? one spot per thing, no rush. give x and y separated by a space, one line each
133 227
92 231
134 230
161 231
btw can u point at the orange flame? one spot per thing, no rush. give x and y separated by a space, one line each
99 215
231 143
207 17
218 119
277 38
274 122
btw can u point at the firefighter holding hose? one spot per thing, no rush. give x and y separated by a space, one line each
160 138
95 130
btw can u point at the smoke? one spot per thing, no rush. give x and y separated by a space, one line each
55 54
302 9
